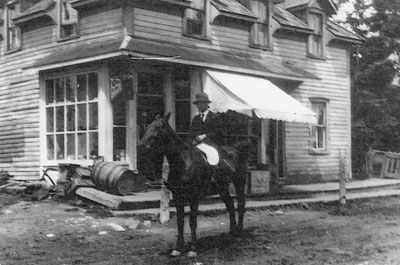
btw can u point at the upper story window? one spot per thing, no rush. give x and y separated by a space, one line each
260 35
67 20
316 40
319 131
13 33
195 22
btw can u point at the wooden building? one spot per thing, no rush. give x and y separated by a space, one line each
84 77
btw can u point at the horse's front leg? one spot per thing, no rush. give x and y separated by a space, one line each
194 207
180 221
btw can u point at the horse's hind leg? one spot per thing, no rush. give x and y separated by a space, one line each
194 208
230 206
240 184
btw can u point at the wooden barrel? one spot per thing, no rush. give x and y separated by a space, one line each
114 178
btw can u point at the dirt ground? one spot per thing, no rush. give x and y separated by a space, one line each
55 231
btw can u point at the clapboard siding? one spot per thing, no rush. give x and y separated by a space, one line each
107 21
20 89
154 25
301 166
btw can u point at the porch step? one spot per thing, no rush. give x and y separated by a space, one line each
150 201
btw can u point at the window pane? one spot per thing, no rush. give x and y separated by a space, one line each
194 22
93 86
70 90
82 146
49 90
320 137
182 89
82 117
60 119
150 84
71 146
50 119
50 147
68 20
94 144
199 4
71 118
60 146
321 117
93 119
81 87
59 90
319 131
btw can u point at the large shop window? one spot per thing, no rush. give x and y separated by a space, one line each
319 138
67 20
13 33
71 104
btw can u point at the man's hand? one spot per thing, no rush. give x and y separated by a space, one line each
200 137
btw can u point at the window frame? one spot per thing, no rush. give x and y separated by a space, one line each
61 24
255 42
326 148
44 120
311 53
206 21
9 25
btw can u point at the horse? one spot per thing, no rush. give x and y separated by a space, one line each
190 178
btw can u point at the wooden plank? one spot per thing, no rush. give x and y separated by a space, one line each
100 197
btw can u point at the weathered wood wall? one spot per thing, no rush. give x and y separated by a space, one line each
334 85
19 90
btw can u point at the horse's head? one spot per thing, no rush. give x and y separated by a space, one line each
156 132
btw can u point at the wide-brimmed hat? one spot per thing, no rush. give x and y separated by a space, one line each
201 97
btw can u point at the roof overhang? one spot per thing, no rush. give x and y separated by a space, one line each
140 49
78 55
146 50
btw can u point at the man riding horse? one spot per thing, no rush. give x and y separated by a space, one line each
206 134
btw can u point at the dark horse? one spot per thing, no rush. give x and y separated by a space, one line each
190 177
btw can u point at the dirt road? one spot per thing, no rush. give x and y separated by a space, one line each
73 232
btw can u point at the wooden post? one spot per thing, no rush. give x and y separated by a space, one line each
169 95
342 181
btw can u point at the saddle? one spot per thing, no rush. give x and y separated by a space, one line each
226 160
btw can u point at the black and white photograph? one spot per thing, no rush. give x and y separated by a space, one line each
199 132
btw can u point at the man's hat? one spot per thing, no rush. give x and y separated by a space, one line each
201 97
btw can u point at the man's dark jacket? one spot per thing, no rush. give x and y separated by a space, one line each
211 127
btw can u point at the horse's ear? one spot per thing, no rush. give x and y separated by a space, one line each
166 117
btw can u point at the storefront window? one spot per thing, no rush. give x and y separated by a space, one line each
71 106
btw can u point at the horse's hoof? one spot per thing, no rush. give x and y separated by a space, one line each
175 253
192 254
